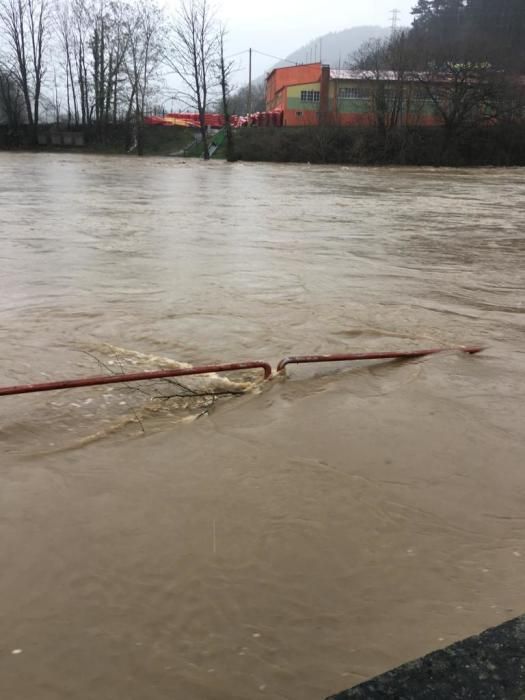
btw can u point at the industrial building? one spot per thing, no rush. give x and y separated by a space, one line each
314 93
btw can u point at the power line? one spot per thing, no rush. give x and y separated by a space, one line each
276 58
239 53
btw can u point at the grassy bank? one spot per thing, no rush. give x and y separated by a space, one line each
496 145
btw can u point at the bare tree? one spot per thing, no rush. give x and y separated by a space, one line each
385 64
80 23
146 36
57 102
25 27
225 69
120 48
109 43
465 95
94 45
63 21
11 102
192 55
239 98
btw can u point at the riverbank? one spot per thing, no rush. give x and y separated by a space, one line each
158 141
489 665
500 146
487 146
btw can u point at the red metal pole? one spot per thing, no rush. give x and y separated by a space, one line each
345 357
134 377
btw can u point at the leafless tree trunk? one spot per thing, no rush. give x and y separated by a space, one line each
57 99
117 73
107 55
24 25
80 32
225 71
146 50
238 99
63 25
38 18
193 56
11 102
385 62
464 96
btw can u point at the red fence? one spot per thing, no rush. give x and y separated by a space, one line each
216 121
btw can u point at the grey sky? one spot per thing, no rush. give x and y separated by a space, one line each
278 27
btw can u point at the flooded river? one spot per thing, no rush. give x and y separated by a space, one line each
222 538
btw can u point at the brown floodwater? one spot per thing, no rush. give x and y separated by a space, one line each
219 537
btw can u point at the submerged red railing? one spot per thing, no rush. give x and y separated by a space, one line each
347 357
213 369
135 377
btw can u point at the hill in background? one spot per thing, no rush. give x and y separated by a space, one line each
335 48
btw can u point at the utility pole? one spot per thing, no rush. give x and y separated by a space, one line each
249 105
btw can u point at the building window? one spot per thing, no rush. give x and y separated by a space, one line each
353 93
310 95
298 114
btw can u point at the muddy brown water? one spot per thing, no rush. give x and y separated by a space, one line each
300 536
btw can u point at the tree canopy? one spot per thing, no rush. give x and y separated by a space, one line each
490 30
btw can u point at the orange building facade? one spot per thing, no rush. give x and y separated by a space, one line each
314 94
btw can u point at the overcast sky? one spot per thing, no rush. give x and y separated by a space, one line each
278 27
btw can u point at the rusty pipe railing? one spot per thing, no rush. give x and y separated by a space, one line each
347 357
134 377
232 367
